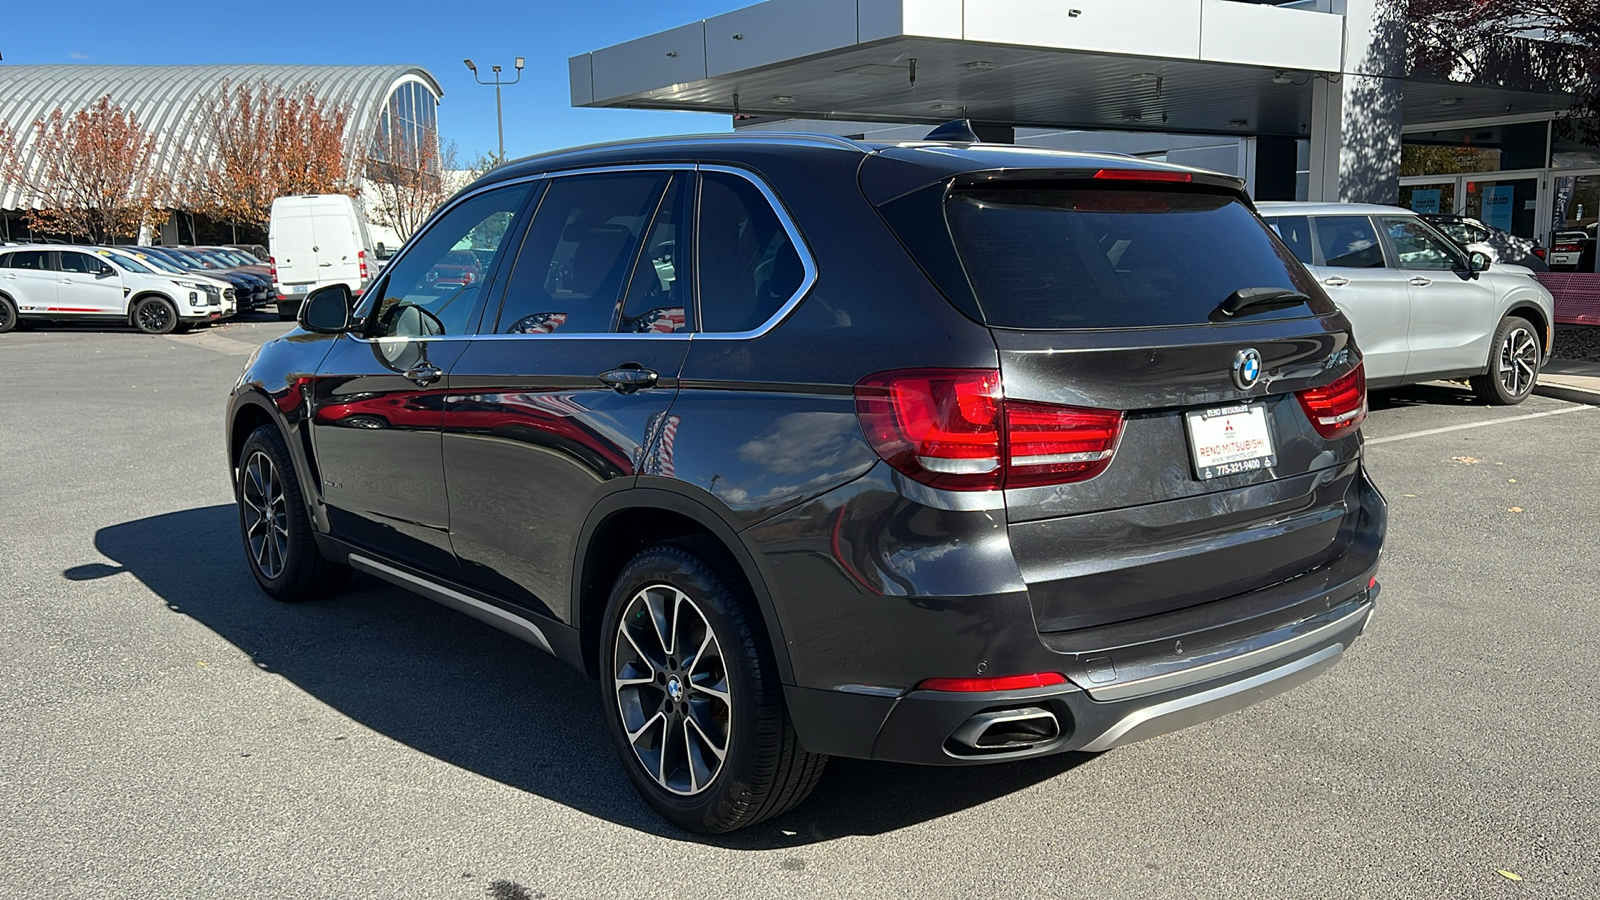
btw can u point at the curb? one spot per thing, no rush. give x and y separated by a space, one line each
1569 394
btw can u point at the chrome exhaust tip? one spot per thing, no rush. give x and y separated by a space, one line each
1005 731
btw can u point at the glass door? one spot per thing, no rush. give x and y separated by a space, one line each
1575 218
1509 204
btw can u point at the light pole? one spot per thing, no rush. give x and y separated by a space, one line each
499 121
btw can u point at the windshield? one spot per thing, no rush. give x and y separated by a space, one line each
159 264
126 262
1050 255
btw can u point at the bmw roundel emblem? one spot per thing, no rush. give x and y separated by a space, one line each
1246 368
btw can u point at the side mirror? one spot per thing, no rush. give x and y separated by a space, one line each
327 310
105 271
1478 261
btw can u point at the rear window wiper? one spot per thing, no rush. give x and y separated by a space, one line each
1257 299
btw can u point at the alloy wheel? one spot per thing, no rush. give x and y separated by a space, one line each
1518 361
671 685
266 515
154 317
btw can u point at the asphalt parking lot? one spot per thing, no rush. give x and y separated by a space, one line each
167 731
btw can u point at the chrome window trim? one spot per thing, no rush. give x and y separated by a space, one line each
807 259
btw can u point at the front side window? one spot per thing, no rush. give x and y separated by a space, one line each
435 287
579 253
749 266
1418 247
79 263
1349 242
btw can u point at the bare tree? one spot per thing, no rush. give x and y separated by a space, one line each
409 174
93 173
263 141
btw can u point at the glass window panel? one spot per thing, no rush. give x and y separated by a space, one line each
748 267
434 287
579 250
1417 247
658 298
1348 242
1296 232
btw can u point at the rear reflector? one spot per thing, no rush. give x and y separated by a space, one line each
954 429
1143 175
1003 683
1337 409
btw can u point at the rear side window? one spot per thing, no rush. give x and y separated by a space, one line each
1349 242
749 267
30 259
1296 234
1057 257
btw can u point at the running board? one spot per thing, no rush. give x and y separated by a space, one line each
489 614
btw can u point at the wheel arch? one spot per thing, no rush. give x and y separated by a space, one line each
249 410
1526 308
139 297
628 521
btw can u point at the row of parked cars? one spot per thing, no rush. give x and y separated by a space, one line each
157 290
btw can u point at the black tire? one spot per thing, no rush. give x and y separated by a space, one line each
279 547
154 315
764 771
1514 355
8 314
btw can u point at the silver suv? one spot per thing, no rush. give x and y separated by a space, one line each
1423 309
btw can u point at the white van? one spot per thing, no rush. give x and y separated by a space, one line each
316 240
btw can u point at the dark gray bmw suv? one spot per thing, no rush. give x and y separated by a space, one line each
939 452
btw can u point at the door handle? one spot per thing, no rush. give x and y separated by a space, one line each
629 378
424 374
1336 281
1419 281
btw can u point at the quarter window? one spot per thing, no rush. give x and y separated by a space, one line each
1349 242
579 252
434 288
1416 247
749 267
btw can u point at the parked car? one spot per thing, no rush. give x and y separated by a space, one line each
246 287
256 252
259 279
1566 250
976 454
1500 246
45 282
1423 308
316 240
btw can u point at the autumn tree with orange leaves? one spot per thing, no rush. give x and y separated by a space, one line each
93 173
263 141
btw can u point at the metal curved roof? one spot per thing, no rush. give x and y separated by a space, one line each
171 101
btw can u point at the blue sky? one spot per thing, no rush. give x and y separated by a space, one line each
436 35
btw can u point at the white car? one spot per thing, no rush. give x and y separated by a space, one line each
1422 308
68 282
1566 249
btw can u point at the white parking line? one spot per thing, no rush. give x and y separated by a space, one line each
1425 433
213 342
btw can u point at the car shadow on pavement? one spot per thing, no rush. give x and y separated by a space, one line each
456 689
1433 393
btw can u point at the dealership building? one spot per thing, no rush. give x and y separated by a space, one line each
173 102
1304 100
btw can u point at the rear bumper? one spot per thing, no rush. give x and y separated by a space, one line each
938 728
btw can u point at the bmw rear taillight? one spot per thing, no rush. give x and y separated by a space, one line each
1337 409
1539 252
954 429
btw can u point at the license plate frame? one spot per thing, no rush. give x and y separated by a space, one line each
1229 440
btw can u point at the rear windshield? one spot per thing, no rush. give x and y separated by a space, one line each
1051 256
